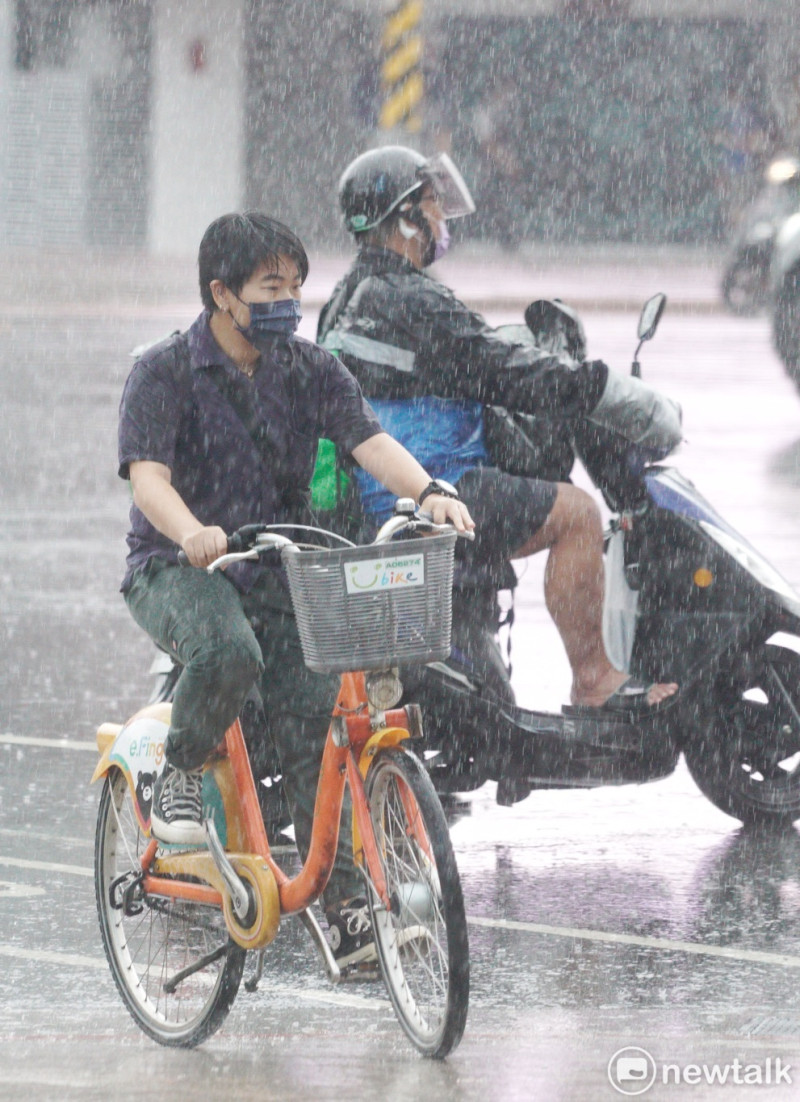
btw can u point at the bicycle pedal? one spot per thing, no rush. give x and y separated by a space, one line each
367 971
170 849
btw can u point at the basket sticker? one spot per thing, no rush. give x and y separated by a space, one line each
375 575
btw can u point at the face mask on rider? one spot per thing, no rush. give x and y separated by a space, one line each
443 242
279 318
435 247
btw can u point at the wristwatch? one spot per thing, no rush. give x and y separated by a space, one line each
438 486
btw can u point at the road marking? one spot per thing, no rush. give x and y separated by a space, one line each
665 945
12 889
40 836
316 995
77 961
783 960
44 956
49 743
45 866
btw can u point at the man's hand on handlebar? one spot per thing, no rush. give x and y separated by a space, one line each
205 545
444 510
211 548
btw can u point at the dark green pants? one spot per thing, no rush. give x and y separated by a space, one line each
226 642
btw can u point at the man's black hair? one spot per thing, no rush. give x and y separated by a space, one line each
235 246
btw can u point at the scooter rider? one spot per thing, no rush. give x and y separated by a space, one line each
429 365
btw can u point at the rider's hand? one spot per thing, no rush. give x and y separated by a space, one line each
447 509
205 545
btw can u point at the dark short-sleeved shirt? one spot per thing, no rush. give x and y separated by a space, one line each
182 407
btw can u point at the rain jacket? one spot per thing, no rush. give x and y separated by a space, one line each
405 335
429 365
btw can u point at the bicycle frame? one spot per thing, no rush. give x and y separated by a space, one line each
354 736
177 921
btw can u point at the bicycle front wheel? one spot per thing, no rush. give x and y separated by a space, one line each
172 960
422 937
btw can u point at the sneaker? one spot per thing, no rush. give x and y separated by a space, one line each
177 812
350 933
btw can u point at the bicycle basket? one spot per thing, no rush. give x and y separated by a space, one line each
370 608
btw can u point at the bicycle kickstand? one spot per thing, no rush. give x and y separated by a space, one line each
252 983
322 947
321 943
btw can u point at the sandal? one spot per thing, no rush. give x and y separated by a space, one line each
629 699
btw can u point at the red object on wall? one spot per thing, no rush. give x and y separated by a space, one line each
197 55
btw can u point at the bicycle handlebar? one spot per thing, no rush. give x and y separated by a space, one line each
252 540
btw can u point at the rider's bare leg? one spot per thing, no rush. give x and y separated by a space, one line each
573 588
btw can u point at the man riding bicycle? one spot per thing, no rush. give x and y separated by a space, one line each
429 366
219 428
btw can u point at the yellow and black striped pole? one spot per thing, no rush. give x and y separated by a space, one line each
402 84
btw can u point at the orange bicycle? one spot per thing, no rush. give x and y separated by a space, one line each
177 923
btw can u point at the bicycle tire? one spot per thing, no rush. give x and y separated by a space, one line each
148 940
422 941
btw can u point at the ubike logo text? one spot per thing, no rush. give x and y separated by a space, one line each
374 575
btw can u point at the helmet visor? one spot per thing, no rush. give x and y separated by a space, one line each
452 192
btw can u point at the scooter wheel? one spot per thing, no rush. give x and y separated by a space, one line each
746 756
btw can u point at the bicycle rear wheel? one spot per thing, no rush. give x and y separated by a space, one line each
422 939
172 960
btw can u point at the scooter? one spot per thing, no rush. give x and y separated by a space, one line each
746 278
688 599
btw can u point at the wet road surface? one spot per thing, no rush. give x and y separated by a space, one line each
599 921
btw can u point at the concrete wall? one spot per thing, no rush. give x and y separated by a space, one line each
73 117
7 11
784 55
669 9
304 117
197 119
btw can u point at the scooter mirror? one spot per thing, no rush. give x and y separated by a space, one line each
651 315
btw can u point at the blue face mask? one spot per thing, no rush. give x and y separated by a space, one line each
279 318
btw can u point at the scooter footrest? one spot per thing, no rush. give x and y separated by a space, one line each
591 730
605 731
